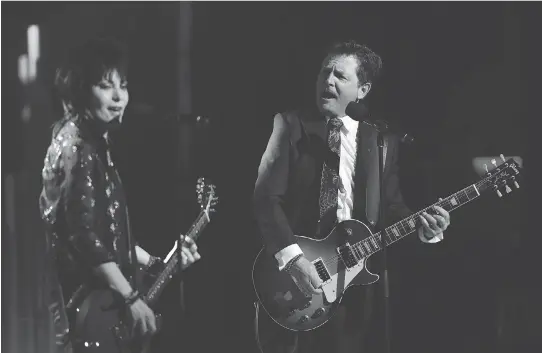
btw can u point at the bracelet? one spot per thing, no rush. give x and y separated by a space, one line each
291 263
132 297
153 260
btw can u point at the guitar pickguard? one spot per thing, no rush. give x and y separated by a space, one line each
339 281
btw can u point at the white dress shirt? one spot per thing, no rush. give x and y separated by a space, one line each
345 197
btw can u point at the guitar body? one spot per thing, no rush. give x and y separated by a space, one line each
340 259
101 324
280 296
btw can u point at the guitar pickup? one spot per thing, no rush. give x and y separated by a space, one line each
323 273
347 255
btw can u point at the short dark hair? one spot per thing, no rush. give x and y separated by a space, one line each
369 63
84 66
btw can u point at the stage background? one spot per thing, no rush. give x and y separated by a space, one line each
453 74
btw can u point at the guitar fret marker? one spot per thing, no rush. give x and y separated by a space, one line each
388 236
374 242
453 201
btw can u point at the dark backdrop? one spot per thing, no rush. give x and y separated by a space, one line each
452 75
446 67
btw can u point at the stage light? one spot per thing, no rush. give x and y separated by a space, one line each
33 45
23 69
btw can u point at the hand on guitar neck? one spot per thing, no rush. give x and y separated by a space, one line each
189 252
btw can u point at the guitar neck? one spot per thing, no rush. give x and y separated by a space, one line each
173 264
408 225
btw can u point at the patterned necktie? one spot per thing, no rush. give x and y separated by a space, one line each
329 185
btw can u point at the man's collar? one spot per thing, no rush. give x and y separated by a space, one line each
348 122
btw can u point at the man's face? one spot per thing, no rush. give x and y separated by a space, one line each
338 85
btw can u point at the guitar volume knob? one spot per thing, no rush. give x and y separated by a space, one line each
303 319
318 313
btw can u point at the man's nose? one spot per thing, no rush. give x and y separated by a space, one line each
329 79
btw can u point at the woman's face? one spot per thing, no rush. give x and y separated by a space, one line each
108 99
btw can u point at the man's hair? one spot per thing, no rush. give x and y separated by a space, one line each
369 63
85 66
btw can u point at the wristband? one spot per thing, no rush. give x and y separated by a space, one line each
153 260
291 263
132 297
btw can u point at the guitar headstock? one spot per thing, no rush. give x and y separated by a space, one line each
207 197
503 173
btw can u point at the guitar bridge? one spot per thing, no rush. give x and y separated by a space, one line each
347 256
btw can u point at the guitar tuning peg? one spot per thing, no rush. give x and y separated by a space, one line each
494 162
508 190
516 184
499 193
487 170
502 157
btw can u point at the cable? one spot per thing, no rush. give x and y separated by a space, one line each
257 331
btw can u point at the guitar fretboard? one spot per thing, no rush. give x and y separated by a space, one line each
173 264
410 224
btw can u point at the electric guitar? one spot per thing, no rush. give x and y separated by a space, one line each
340 259
100 321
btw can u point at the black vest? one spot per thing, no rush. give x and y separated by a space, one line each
307 146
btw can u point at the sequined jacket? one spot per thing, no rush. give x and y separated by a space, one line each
84 209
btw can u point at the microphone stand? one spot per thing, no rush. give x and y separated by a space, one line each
358 111
381 127
180 271
381 226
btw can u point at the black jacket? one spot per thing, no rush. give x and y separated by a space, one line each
287 189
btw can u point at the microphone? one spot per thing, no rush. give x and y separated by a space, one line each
142 108
359 112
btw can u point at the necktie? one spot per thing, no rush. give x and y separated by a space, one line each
329 185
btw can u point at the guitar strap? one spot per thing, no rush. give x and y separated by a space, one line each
133 268
133 257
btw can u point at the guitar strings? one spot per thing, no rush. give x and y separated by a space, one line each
448 205
377 237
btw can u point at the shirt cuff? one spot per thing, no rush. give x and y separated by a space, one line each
288 253
433 240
